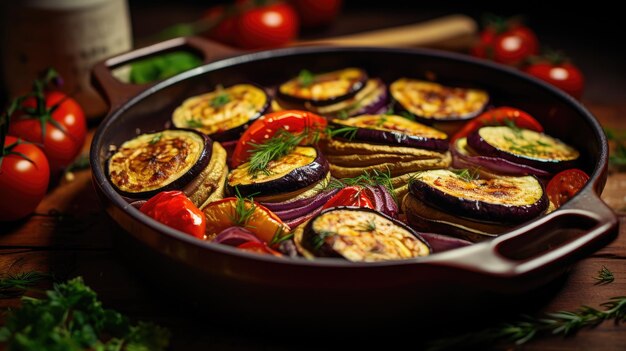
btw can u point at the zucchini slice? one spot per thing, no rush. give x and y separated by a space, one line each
323 89
432 101
361 235
501 199
150 163
224 112
299 169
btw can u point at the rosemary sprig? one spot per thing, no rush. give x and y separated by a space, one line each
14 285
374 178
280 236
527 328
280 145
605 276
306 78
466 174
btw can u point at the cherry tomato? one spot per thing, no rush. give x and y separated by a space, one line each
563 75
293 121
24 176
315 13
508 43
175 210
564 185
267 26
499 116
224 21
350 196
223 214
64 122
259 248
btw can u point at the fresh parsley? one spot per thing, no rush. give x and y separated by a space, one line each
71 318
162 66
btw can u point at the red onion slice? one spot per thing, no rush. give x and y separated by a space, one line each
235 236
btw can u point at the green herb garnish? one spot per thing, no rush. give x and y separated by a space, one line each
466 174
617 157
155 139
369 226
220 100
162 67
280 236
347 132
408 115
306 78
342 114
280 145
194 123
526 328
605 276
319 239
373 178
14 285
70 317
381 121
244 209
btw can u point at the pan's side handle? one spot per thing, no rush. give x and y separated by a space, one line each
537 248
117 92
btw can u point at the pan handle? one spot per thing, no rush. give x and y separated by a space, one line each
117 92
543 246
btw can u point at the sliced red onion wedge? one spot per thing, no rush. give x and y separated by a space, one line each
235 236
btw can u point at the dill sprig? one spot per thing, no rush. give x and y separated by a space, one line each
14 285
526 328
347 132
306 78
244 209
467 174
373 178
280 236
368 226
278 146
605 276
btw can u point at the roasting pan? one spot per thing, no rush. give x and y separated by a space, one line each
222 278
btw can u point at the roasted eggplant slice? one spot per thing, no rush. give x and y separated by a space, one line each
361 235
322 89
209 184
425 218
299 169
501 199
372 99
390 130
434 102
523 146
224 112
150 163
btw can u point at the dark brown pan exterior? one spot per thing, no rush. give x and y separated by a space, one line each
225 278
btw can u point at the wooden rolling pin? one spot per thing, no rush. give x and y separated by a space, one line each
452 32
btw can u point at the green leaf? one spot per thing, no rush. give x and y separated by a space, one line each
306 78
162 66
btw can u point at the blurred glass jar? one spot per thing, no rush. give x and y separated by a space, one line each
69 35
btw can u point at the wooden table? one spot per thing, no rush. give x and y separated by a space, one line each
71 235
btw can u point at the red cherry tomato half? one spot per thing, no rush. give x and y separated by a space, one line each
315 13
564 185
293 121
175 210
499 116
564 76
24 176
267 26
61 145
258 248
350 196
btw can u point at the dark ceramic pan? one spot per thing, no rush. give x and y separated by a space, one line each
517 262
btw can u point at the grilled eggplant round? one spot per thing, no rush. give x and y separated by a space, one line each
322 89
523 146
390 130
499 199
361 235
299 169
224 112
150 163
372 99
433 102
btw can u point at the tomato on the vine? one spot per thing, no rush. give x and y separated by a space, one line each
24 176
175 210
564 185
55 121
266 26
293 121
506 42
560 73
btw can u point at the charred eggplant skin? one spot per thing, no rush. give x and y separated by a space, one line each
385 137
476 209
309 236
177 184
481 146
354 88
296 179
